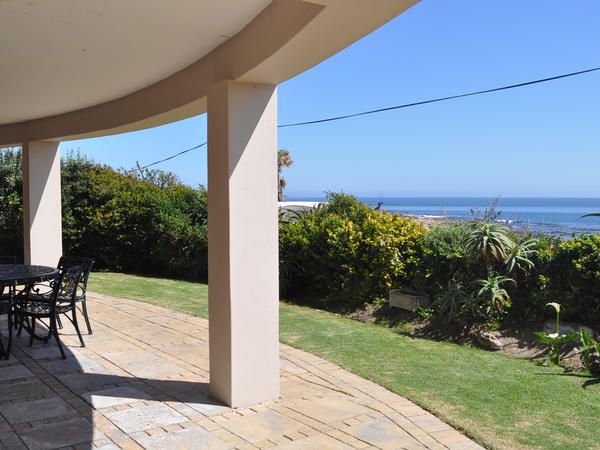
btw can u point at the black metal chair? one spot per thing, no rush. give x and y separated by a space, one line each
7 292
66 262
48 301
6 307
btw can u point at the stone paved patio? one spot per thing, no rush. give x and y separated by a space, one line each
142 382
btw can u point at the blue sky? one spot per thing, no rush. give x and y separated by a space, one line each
535 141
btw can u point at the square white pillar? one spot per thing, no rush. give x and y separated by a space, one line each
42 222
243 281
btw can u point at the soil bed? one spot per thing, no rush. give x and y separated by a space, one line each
519 342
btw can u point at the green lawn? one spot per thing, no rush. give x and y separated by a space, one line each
499 401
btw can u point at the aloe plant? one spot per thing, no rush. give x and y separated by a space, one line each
519 256
451 301
494 296
489 243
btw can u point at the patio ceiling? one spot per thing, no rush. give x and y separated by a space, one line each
82 68
66 55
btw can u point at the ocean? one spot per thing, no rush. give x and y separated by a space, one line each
554 216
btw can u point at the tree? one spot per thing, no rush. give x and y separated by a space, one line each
283 160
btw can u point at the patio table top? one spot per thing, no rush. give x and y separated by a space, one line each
24 273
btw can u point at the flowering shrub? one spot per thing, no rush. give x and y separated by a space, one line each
573 276
345 253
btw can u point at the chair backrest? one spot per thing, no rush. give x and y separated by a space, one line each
66 262
68 282
6 260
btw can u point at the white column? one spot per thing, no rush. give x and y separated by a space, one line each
243 282
42 203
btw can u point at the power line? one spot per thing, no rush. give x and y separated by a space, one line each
393 108
440 99
167 158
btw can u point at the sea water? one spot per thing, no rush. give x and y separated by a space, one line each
555 216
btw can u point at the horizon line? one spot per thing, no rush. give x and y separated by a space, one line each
492 197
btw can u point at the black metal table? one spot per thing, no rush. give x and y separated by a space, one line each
12 276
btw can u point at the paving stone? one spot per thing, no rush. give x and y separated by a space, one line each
145 417
382 434
192 439
61 434
329 410
207 406
44 352
291 388
260 426
320 442
288 366
155 369
80 363
131 356
89 380
114 396
34 410
181 390
16 391
14 372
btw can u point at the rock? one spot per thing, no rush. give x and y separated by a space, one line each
595 364
566 328
591 360
490 340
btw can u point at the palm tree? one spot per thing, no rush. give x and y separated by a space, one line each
283 160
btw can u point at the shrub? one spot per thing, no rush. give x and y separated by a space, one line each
345 253
476 257
135 225
11 203
572 278
150 224
444 258
530 296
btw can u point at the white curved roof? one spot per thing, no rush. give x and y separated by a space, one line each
80 68
63 55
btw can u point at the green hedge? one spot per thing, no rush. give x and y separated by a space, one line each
569 274
149 224
345 253
567 271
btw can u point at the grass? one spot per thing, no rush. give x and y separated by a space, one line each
499 401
